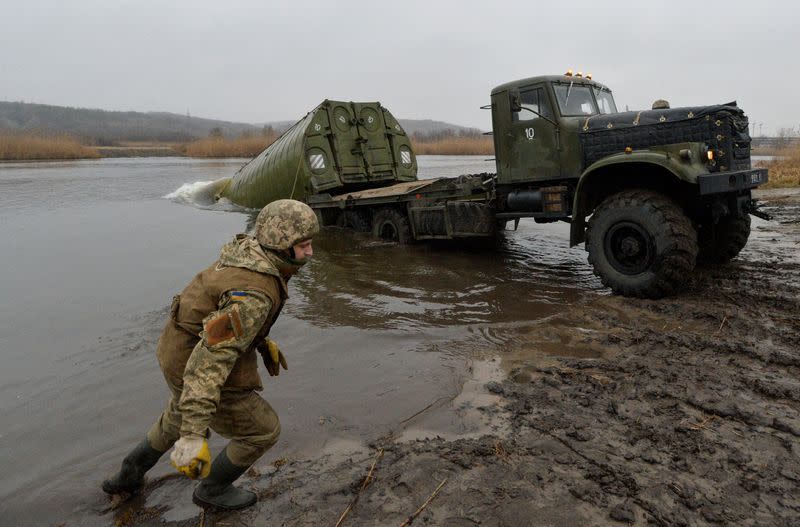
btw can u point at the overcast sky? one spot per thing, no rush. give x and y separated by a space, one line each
266 61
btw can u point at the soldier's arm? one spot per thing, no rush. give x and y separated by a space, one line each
227 334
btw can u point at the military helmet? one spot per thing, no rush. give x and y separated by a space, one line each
284 223
660 104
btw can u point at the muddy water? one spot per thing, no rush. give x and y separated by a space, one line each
93 252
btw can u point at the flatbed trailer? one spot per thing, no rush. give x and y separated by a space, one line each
441 208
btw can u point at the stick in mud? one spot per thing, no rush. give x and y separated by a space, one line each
366 482
422 508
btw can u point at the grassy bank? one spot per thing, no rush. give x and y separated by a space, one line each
242 146
471 145
138 151
28 146
784 170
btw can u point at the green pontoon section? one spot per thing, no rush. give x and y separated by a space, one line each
337 147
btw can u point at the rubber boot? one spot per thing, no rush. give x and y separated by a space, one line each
217 490
130 477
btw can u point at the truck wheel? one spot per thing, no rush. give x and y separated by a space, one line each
354 219
391 225
641 244
721 243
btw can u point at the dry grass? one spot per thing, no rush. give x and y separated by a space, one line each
481 145
34 146
243 146
784 170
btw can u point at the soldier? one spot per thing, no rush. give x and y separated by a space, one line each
207 353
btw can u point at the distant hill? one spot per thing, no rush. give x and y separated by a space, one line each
428 127
103 127
106 128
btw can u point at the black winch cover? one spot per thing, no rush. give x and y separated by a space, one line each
633 119
722 127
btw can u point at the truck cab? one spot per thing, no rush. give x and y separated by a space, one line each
535 123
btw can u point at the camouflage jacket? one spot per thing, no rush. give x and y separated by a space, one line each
215 325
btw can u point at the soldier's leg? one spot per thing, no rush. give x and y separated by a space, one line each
144 456
167 429
253 427
250 423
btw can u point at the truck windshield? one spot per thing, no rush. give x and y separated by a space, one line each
605 101
575 100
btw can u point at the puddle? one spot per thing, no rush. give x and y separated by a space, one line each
474 412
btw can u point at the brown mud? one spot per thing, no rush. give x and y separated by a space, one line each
613 411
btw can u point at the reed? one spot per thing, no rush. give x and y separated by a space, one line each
19 146
784 170
471 145
242 146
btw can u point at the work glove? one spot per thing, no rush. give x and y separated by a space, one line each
273 358
191 457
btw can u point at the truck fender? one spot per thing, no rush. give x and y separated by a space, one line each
618 170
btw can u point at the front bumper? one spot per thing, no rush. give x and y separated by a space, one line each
720 182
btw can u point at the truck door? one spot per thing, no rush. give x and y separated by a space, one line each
533 148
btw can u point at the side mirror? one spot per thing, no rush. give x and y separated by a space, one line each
514 101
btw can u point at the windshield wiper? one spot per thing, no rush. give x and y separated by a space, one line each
567 97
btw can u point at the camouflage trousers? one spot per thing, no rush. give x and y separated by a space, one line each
242 416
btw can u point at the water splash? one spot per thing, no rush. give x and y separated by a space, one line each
204 195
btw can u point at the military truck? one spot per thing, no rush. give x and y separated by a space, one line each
651 193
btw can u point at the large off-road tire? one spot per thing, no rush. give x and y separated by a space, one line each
327 217
721 242
354 219
392 225
641 244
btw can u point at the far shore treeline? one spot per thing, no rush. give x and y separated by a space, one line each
27 146
36 131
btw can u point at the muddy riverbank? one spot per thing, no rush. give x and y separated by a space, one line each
683 411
